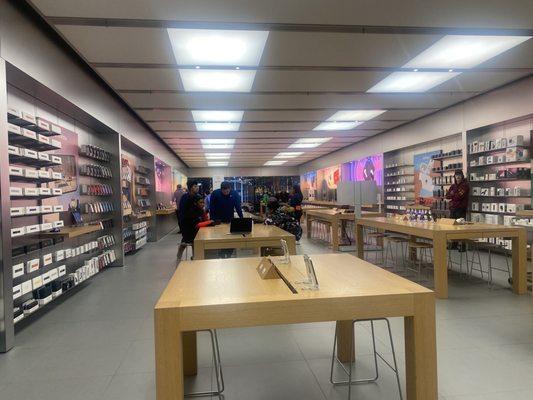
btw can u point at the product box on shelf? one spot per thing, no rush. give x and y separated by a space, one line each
46 226
18 314
32 228
29 134
59 255
47 259
56 143
44 156
15 232
13 150
17 291
32 210
15 191
57 289
44 191
16 171
31 173
517 140
56 160
32 265
31 191
62 270
28 153
58 208
57 191
26 287
43 139
44 174
54 274
47 209
58 224
18 270
57 175
30 306
43 295
14 129
16 211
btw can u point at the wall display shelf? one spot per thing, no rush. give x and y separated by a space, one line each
51 246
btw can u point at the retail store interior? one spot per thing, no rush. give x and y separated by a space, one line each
220 199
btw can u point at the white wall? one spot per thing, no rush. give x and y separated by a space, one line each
511 101
27 47
267 171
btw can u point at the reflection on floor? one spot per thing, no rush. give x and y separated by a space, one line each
98 344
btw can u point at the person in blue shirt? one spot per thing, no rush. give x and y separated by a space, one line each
224 202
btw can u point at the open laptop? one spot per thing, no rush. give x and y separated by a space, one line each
241 226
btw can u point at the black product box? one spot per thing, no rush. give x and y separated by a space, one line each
47 243
56 285
42 292
18 251
59 239
17 313
67 283
32 247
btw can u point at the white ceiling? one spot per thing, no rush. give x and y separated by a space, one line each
317 60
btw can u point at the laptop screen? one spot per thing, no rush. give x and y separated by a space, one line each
241 225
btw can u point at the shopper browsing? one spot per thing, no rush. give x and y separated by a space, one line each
458 196
176 198
193 189
194 218
295 201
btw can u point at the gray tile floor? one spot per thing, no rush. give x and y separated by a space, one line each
98 344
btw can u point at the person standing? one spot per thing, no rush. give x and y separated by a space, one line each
193 189
458 195
224 202
295 201
176 197
207 200
194 218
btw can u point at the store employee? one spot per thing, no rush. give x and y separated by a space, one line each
458 196
223 202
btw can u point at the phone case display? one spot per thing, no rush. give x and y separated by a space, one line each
499 173
96 190
94 152
96 171
445 165
97 207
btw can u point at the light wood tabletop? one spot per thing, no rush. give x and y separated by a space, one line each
440 234
219 237
335 218
215 294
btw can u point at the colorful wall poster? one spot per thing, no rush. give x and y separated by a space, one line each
424 177
366 169
327 180
163 177
308 185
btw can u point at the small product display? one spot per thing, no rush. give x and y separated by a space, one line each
96 190
97 207
96 171
95 152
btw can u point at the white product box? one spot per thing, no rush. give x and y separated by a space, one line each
55 159
500 159
29 134
32 191
56 143
517 191
16 171
68 253
62 270
57 191
54 274
44 174
490 160
476 190
13 112
37 282
511 208
44 156
14 129
507 219
17 211
28 117
31 173
33 228
47 259
32 210
517 140
58 208
475 206
46 226
60 255
17 291
57 294
57 175
494 207
47 209
29 153
18 270
14 150
56 129
15 191
45 301
485 207
58 224
26 287
44 191
43 139
18 231
45 126
502 207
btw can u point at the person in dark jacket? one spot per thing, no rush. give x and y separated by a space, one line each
193 189
194 218
295 201
224 202
458 196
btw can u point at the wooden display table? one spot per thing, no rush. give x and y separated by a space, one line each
218 237
215 294
335 219
440 234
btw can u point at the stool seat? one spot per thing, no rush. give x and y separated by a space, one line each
397 239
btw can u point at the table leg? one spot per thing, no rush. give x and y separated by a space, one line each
359 241
335 235
190 357
440 266
344 339
199 250
308 221
168 356
421 350
520 262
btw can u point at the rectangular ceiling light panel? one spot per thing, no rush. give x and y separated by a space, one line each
415 82
217 126
336 126
217 156
213 144
464 51
217 47
289 154
217 163
308 143
355 115
275 162
217 116
217 80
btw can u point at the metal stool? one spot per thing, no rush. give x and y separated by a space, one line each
376 247
217 366
348 372
425 255
466 242
184 246
490 247
398 241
